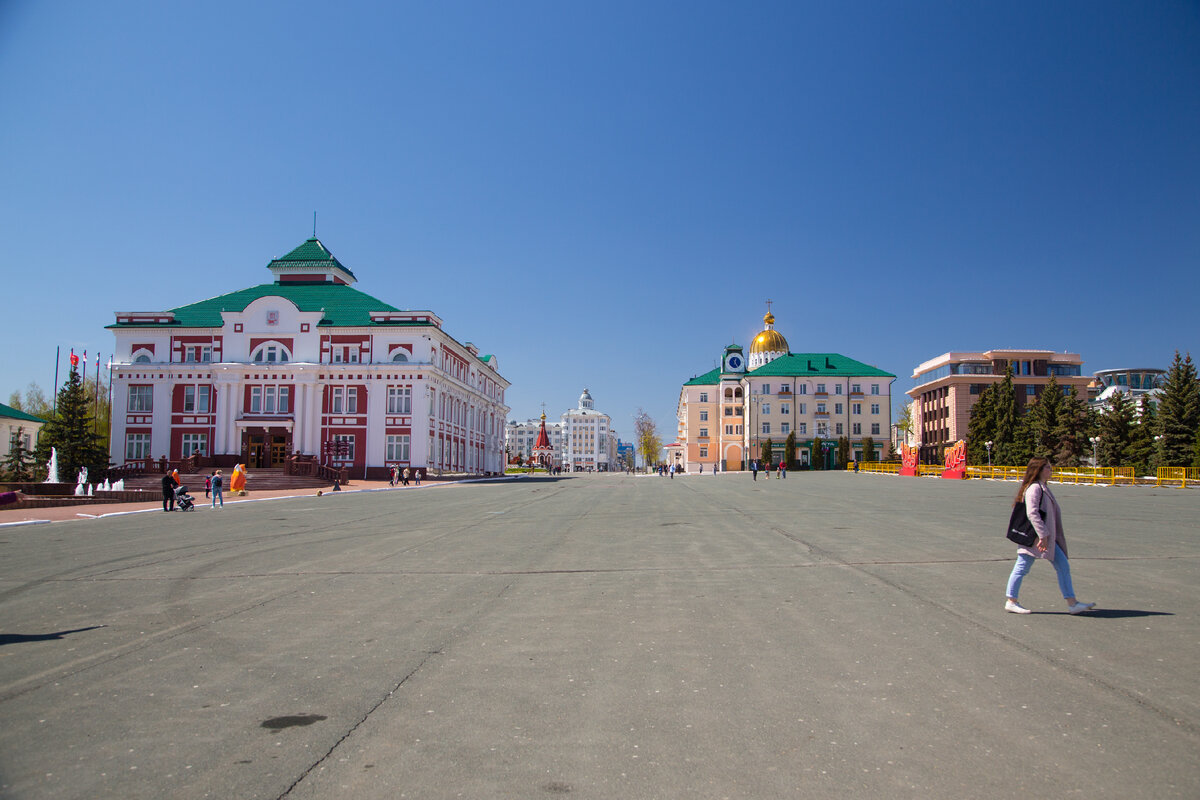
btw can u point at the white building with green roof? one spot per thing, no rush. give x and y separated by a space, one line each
728 414
17 425
304 368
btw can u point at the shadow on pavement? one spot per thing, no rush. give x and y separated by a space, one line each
1120 613
17 638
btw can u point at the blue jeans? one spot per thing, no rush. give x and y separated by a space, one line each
1025 562
216 495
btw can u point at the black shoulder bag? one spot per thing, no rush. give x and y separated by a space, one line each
1020 529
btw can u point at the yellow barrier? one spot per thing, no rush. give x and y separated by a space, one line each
1095 476
1168 476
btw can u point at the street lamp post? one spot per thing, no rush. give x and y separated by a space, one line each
1095 445
988 445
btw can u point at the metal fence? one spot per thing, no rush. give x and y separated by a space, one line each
1096 476
1181 476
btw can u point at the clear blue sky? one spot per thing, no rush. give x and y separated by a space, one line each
605 194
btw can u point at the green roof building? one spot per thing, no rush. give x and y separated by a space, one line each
745 410
303 370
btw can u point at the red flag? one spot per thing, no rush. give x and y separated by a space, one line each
74 358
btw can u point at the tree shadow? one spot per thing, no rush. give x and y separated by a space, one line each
17 638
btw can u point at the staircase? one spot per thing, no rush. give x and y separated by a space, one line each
258 480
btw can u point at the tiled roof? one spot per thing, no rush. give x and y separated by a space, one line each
310 254
708 378
343 305
13 413
819 364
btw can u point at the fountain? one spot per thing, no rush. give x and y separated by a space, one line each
52 467
81 483
119 486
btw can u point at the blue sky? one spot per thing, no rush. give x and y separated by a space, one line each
605 194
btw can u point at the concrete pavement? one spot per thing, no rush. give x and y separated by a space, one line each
828 635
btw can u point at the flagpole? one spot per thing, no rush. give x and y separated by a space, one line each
110 359
57 351
96 388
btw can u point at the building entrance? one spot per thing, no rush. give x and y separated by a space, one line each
265 450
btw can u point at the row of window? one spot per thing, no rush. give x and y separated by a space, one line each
785 428
271 353
269 399
137 446
785 409
786 388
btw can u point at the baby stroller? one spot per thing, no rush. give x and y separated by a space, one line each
184 500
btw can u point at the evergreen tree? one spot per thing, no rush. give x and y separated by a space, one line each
981 428
1043 419
818 455
1071 433
18 467
1141 451
1007 420
868 445
843 452
1116 431
1179 414
767 450
71 431
1024 440
790 447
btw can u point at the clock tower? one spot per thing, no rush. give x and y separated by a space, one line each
734 361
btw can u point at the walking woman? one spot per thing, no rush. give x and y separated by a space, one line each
1051 544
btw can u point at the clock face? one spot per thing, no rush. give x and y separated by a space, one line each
735 362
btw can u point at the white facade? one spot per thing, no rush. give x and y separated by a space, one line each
519 437
588 441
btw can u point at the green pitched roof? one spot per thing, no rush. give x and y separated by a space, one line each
343 305
707 379
835 364
310 254
14 413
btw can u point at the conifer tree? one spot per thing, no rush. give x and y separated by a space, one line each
1043 419
767 449
71 432
1007 420
1024 439
818 454
18 467
1115 431
868 449
1071 433
1179 414
789 445
1141 451
843 452
981 427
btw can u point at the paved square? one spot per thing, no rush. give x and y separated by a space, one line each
829 635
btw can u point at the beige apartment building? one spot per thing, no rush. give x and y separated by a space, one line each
948 386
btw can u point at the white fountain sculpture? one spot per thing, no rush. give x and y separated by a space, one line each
119 486
52 466
81 483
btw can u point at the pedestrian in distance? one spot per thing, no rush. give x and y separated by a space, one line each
208 482
672 472
404 476
1046 518
782 469
754 469
217 484
168 489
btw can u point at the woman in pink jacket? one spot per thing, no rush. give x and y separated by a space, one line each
1051 545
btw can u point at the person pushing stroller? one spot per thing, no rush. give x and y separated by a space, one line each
183 500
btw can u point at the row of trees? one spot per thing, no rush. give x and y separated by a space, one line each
1061 427
72 429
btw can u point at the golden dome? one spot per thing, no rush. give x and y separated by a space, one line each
769 319
769 341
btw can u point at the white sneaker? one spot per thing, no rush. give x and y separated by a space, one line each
1079 608
1013 607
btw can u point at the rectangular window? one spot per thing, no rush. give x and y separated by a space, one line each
284 397
397 447
821 408
856 428
766 388
822 429
189 399
348 438
874 428
802 428
766 427
839 429
256 393
704 397
269 395
785 388
1030 390
784 408
837 389
137 446
837 408
704 415
399 400
856 408
729 411
704 433
704 452
195 443
766 408
874 408
785 427
729 430
802 389
874 388
821 388
856 388
141 399
803 408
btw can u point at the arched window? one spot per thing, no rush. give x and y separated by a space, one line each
142 358
399 356
270 353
